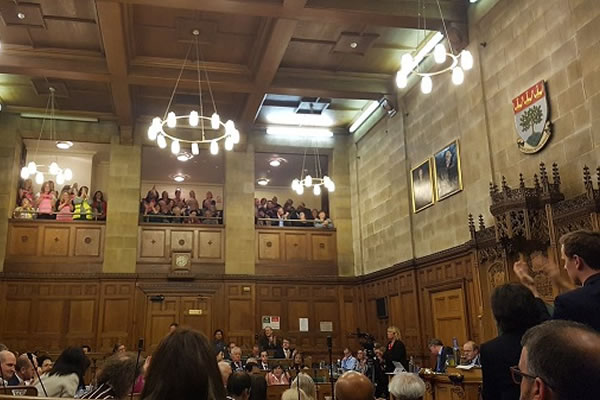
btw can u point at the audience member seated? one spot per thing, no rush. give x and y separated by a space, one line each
82 205
348 362
236 359
251 366
471 354
294 394
362 364
277 376
298 363
255 351
99 206
183 367
179 210
119 348
230 347
239 386
8 364
559 360
396 351
264 361
165 206
64 208
45 364
285 351
45 202
407 386
26 192
258 390
225 370
173 327
306 383
206 203
323 221
116 376
354 386
66 376
268 340
25 210
441 352
515 309
24 372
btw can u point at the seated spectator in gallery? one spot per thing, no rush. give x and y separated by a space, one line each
323 221
471 354
82 205
515 310
25 210
116 376
267 340
45 202
26 191
239 386
236 359
306 384
277 376
314 214
66 376
285 351
354 386
271 210
165 205
275 202
407 386
193 206
99 206
24 372
348 363
207 201
183 367
64 208
210 216
264 361
44 364
282 217
151 211
362 364
288 206
179 206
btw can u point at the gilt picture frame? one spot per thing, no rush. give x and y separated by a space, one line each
447 171
421 184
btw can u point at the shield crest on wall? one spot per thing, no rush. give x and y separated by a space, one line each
532 118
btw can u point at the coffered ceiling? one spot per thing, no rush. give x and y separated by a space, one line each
119 59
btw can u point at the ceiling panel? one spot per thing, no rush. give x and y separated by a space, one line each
160 165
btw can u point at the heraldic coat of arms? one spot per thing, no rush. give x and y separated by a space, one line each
532 118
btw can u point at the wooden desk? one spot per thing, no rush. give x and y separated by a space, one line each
455 384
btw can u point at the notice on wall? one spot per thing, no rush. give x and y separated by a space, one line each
272 321
303 324
326 326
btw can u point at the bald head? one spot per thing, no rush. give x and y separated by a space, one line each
8 363
354 386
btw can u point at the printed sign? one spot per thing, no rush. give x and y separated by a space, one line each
272 321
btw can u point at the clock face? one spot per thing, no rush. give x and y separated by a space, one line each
181 261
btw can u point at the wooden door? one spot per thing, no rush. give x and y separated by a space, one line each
449 315
195 313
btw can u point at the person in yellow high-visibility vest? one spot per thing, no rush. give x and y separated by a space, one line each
83 208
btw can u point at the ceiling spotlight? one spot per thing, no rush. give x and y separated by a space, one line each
275 163
353 45
64 144
184 156
179 178
20 15
262 181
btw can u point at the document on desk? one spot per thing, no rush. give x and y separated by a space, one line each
466 367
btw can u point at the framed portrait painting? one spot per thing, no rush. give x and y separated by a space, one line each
448 176
421 182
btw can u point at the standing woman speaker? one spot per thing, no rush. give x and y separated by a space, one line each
395 350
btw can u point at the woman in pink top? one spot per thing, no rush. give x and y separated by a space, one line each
277 377
45 202
65 208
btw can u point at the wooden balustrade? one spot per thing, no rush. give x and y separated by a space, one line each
47 242
314 250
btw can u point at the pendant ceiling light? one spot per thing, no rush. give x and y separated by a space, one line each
315 182
162 130
458 63
36 170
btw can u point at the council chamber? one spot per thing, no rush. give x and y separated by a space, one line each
300 199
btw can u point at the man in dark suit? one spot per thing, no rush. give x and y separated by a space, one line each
285 351
581 254
437 348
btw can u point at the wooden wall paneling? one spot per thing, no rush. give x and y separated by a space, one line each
23 240
116 314
269 246
296 246
181 240
323 247
241 306
89 242
152 244
140 312
82 309
56 241
211 245
160 314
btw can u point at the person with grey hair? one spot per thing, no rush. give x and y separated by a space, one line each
8 363
559 361
406 386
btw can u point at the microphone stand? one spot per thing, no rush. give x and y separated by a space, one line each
329 348
137 361
30 356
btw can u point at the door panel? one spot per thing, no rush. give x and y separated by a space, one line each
449 315
195 313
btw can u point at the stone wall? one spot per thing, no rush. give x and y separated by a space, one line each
525 41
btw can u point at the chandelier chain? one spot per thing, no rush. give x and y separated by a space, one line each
177 81
200 88
444 25
37 147
208 82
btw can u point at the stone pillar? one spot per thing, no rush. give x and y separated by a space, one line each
340 205
120 243
10 157
239 215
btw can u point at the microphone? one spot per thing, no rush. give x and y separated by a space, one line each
30 356
137 362
329 347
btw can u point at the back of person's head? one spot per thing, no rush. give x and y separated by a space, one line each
3 347
306 384
585 245
435 342
292 394
120 371
225 369
23 362
406 386
259 388
184 366
239 384
71 361
564 355
515 308
353 385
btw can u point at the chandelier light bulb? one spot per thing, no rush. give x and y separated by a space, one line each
195 149
406 62
331 187
401 80
68 174
194 118
39 178
214 148
24 173
317 190
215 121
60 179
171 120
300 190
466 60
175 147
32 167
235 135
326 180
229 127
295 183
228 143
152 132
439 53
426 85
308 181
458 76
53 169
161 141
